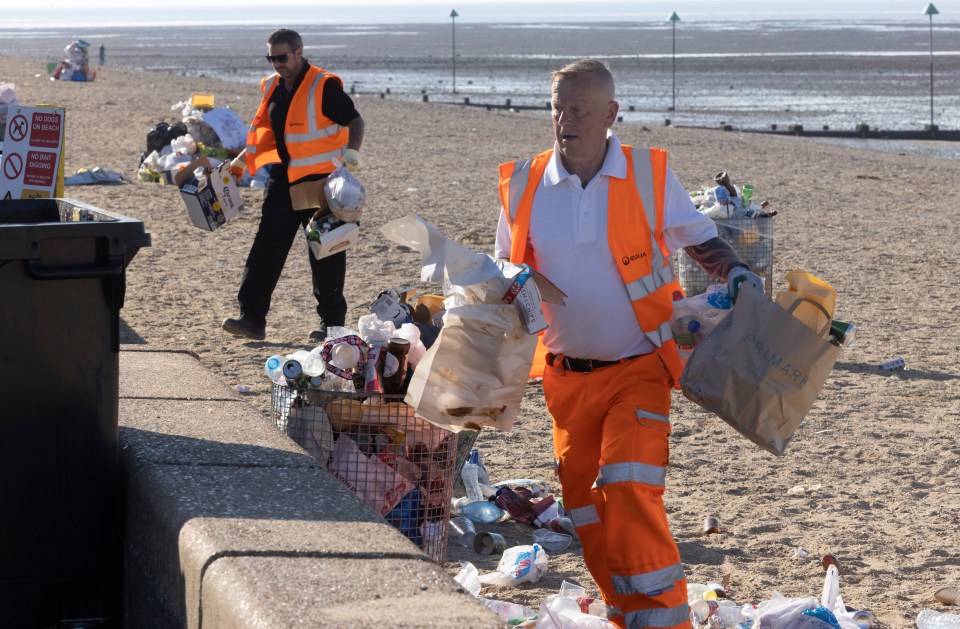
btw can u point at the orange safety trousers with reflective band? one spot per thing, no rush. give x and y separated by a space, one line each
611 440
313 141
635 217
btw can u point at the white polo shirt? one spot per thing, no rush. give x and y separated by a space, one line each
568 235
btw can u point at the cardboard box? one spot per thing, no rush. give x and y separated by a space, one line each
212 199
527 292
334 241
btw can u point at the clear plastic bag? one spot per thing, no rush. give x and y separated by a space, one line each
518 564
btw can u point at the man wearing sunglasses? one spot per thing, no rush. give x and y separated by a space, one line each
304 123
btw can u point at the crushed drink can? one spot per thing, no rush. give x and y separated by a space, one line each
842 333
711 525
893 365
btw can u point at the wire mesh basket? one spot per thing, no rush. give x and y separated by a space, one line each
402 466
751 238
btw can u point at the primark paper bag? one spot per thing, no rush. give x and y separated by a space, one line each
760 370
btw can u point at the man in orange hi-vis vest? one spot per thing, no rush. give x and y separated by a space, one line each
601 219
304 123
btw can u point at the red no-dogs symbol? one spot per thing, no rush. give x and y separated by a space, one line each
13 166
18 127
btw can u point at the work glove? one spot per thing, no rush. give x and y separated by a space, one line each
742 275
237 166
351 160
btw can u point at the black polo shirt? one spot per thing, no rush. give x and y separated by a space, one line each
335 105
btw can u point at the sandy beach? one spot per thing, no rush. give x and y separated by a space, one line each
877 456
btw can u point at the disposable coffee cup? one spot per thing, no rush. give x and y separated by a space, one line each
488 543
711 525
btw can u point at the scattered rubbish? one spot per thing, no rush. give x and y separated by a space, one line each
92 176
932 619
894 365
519 564
803 489
462 531
711 525
244 388
510 613
800 552
76 64
552 541
564 612
487 543
468 578
948 596
863 619
481 511
830 560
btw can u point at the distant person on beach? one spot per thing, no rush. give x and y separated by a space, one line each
300 144
600 219
103 54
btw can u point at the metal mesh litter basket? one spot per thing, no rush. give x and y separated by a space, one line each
396 463
751 238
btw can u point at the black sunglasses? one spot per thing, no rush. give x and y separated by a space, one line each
277 58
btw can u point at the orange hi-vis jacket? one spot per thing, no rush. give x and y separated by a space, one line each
635 208
313 140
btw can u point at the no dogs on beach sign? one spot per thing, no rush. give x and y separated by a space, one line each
31 166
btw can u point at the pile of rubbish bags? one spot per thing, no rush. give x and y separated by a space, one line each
202 129
75 66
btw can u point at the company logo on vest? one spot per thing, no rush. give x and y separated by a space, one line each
625 260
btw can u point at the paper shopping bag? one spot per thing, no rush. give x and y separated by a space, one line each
760 370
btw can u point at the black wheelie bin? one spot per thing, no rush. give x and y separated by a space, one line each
62 282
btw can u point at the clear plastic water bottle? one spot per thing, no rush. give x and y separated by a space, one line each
932 619
471 481
481 511
484 477
274 369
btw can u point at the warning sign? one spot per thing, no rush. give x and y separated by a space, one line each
32 153
46 128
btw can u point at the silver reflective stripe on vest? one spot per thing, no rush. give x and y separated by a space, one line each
661 617
642 414
518 183
649 583
631 472
660 335
252 148
314 131
313 160
583 516
661 271
613 612
643 286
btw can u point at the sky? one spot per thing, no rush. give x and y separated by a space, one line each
125 12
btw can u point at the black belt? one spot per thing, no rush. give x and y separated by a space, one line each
584 365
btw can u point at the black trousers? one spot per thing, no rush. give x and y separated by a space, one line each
279 224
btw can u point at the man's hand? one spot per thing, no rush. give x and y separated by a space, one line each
742 275
237 166
351 160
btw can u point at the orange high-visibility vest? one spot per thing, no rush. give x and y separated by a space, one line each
313 140
635 208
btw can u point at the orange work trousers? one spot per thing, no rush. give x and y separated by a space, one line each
611 434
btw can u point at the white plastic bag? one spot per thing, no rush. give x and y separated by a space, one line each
518 564
468 578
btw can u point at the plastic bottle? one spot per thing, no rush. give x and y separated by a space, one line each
481 511
274 369
471 481
483 476
746 193
685 326
932 619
